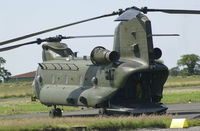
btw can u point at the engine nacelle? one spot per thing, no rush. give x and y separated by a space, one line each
102 56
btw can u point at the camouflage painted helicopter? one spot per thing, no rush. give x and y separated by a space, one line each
126 80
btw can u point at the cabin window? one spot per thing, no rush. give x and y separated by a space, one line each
53 79
66 80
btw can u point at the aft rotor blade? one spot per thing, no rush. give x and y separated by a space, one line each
56 28
87 36
170 11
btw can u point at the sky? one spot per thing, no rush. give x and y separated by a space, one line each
22 17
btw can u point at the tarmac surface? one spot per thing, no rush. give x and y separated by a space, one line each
188 111
197 128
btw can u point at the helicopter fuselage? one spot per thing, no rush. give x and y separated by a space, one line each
78 82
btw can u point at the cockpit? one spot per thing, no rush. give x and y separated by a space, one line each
55 50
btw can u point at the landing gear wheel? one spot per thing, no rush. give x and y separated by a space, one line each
52 113
56 112
102 112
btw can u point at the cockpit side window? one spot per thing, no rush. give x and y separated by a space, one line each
63 53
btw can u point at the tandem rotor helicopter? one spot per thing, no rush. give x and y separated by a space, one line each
127 80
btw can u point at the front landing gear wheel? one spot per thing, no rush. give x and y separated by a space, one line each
56 112
52 113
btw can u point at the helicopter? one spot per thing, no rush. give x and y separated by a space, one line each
127 80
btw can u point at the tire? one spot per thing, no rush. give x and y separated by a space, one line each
58 112
52 113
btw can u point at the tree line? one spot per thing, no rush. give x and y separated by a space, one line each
187 65
4 73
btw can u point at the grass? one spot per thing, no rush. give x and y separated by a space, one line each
17 89
89 122
26 106
181 96
98 123
182 81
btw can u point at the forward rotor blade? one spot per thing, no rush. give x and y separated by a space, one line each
56 28
87 36
51 39
24 44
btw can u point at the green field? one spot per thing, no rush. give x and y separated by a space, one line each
25 105
182 81
181 96
17 89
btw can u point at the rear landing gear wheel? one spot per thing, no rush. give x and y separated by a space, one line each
56 112
102 112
